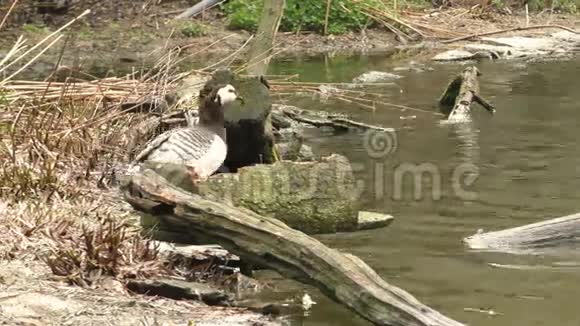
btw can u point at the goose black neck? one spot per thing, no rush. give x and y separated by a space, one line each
211 111
213 117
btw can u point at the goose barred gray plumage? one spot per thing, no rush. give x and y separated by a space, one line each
201 147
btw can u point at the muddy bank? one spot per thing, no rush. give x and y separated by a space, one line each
114 51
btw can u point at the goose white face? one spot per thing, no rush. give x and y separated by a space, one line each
226 94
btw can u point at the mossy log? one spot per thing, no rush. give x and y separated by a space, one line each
268 242
553 233
308 196
314 197
456 101
248 125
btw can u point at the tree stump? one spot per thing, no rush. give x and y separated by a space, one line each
248 126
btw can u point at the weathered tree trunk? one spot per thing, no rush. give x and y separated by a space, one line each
456 101
268 242
561 231
262 46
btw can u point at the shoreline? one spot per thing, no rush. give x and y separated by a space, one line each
124 46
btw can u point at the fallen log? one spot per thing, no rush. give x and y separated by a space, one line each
188 257
313 197
268 242
181 290
558 232
284 115
456 101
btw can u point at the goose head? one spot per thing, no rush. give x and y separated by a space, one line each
227 94
213 102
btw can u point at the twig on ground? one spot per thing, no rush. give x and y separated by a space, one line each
232 56
8 13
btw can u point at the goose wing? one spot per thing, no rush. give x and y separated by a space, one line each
153 145
199 149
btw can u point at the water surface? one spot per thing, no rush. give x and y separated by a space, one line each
527 159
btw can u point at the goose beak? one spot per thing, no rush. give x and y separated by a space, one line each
241 99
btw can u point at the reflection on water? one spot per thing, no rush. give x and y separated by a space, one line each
466 135
527 158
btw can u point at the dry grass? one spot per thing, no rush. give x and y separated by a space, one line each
63 137
362 97
28 298
82 241
58 145
63 144
460 20
457 22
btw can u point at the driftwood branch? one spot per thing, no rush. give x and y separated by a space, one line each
198 8
462 38
485 104
268 242
322 119
552 233
460 93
